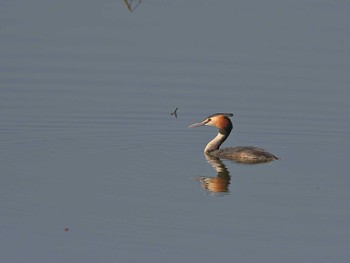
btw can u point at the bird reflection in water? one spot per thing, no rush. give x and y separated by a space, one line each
220 183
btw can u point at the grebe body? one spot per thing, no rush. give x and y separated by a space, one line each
241 154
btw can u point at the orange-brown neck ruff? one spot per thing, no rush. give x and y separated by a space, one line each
223 123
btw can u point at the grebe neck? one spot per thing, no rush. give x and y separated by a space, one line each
215 143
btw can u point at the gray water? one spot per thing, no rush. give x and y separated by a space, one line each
94 168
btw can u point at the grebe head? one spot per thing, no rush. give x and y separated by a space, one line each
218 120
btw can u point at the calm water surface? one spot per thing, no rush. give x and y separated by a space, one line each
95 169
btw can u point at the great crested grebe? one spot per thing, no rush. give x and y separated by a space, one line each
241 154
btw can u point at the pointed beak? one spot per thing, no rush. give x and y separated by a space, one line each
198 124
